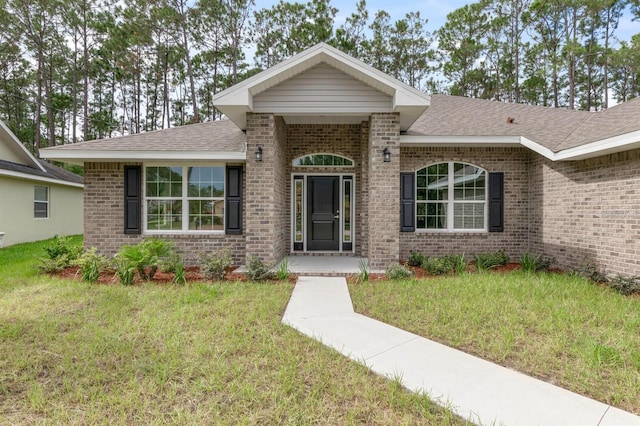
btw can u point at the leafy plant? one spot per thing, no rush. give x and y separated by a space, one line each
534 263
125 270
91 264
214 265
257 270
459 263
147 256
60 254
625 285
363 275
589 269
415 259
436 265
283 271
178 274
396 271
489 260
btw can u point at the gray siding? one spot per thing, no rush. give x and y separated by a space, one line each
322 89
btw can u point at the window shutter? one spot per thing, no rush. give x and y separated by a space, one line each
407 202
496 202
132 199
233 209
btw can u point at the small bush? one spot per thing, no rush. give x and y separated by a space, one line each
214 265
147 256
91 264
178 274
60 254
534 263
490 260
625 285
396 271
363 275
415 259
589 270
125 270
436 265
257 270
458 262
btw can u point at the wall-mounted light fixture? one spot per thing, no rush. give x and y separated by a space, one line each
387 155
259 154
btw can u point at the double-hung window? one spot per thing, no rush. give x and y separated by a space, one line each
41 202
451 196
184 198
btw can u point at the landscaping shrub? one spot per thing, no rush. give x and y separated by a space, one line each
590 270
534 263
363 275
283 269
147 256
257 270
490 260
125 270
415 259
396 271
445 264
60 254
214 265
625 285
91 265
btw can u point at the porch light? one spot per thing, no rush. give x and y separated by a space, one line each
387 155
259 154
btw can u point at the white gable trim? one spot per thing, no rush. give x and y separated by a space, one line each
612 145
30 160
81 156
237 100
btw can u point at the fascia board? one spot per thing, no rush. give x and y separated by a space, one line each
81 156
27 176
611 145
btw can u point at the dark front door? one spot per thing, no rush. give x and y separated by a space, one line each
323 213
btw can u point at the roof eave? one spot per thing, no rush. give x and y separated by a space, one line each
82 156
35 178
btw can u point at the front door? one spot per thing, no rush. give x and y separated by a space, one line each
323 213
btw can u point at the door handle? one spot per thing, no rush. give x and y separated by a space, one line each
337 216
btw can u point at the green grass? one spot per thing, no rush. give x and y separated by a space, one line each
559 328
76 353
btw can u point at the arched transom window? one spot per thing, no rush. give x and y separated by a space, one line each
322 160
451 196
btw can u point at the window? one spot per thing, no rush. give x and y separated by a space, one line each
319 160
41 202
451 196
187 199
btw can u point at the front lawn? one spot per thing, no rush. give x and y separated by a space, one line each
559 328
72 352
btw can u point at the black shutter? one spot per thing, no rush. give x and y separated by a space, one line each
407 201
496 202
233 210
132 199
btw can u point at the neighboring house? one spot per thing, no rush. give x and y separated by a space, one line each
37 199
324 155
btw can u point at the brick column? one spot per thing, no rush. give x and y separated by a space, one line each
384 191
266 206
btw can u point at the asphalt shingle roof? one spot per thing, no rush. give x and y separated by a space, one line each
553 128
213 136
52 171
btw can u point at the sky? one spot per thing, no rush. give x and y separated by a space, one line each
434 10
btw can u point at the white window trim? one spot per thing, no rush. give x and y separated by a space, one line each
450 202
184 198
293 163
46 202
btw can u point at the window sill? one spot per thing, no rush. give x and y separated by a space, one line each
452 231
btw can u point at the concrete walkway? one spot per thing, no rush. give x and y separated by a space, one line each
475 389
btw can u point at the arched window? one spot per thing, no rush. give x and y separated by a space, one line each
451 196
322 160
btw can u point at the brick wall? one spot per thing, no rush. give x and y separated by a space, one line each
339 139
384 191
588 209
267 181
104 218
514 163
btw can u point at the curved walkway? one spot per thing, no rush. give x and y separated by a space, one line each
473 388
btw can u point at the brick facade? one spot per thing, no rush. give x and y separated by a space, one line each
104 218
384 191
515 238
588 209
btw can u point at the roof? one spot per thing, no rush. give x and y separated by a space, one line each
556 133
215 140
51 172
237 100
17 148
